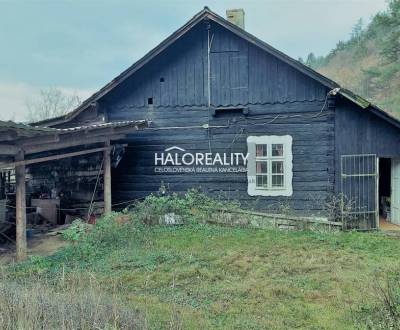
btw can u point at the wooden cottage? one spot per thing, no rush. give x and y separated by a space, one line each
240 120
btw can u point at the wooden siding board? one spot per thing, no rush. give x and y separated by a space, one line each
241 74
312 153
280 101
289 112
361 132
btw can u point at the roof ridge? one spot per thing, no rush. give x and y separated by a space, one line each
207 12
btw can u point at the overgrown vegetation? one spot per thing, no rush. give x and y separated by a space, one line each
369 62
198 275
381 309
64 303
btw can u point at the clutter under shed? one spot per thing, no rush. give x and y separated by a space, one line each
50 176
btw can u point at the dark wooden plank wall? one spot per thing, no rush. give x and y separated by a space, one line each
312 153
361 132
280 99
240 74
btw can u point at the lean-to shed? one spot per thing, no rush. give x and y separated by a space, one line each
26 149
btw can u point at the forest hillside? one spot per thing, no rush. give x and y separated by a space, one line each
369 62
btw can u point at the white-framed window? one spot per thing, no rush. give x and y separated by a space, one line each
270 165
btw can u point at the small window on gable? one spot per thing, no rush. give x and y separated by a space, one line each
269 165
150 101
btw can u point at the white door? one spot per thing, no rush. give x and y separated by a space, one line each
395 186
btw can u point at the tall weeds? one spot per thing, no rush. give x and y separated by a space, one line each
38 304
382 309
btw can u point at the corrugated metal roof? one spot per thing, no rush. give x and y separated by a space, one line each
10 125
7 125
101 125
16 137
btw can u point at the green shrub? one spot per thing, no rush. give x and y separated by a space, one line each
193 206
75 232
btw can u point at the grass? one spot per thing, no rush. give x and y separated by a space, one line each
203 276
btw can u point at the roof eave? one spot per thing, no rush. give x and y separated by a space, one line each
360 101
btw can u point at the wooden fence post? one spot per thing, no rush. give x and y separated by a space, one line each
20 209
107 179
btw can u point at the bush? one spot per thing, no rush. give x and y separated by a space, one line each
90 244
109 233
193 207
75 232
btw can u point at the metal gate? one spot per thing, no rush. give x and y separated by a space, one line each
359 185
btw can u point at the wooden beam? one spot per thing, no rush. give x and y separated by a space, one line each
39 140
107 179
21 249
54 157
9 149
8 135
6 160
69 142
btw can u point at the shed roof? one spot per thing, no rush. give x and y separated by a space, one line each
15 137
207 14
22 128
126 123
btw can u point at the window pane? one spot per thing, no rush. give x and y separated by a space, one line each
261 150
277 167
277 180
261 167
262 181
277 150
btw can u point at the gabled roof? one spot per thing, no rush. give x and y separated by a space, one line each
204 14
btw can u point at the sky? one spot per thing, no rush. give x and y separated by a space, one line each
80 45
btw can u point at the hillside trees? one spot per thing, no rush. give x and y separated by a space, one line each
369 61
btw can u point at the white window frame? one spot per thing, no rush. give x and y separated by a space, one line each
269 140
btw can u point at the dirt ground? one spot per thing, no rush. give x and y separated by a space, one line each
387 226
40 245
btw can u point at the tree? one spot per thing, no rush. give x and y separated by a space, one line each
341 45
313 61
310 61
391 41
357 31
51 103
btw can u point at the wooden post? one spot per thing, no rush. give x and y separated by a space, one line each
20 208
107 179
